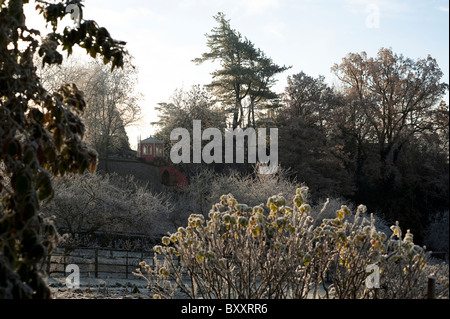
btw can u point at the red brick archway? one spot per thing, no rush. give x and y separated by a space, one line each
171 176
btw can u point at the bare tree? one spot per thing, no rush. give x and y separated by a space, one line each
112 99
395 127
396 95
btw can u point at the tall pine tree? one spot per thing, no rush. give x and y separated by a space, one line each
246 74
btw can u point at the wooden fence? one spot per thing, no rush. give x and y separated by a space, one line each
97 262
116 263
101 262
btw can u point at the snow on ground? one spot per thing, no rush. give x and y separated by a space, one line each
100 288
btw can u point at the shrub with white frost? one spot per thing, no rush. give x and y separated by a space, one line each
206 187
328 210
240 251
108 203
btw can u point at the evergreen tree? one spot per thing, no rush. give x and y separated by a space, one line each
245 73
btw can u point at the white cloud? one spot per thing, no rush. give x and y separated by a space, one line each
443 9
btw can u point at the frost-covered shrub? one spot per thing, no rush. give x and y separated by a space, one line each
253 189
109 203
206 187
405 268
328 209
440 271
240 251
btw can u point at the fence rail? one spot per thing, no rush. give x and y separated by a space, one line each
117 263
99 262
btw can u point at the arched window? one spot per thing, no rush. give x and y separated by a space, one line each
159 150
147 150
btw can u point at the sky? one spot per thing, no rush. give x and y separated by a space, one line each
164 36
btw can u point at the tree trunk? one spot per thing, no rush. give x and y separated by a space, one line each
106 154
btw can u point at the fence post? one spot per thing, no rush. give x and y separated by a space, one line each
431 287
64 261
126 265
96 262
49 261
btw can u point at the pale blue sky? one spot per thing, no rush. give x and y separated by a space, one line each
310 35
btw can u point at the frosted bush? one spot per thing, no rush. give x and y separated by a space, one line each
277 251
440 271
206 187
252 189
108 203
328 208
